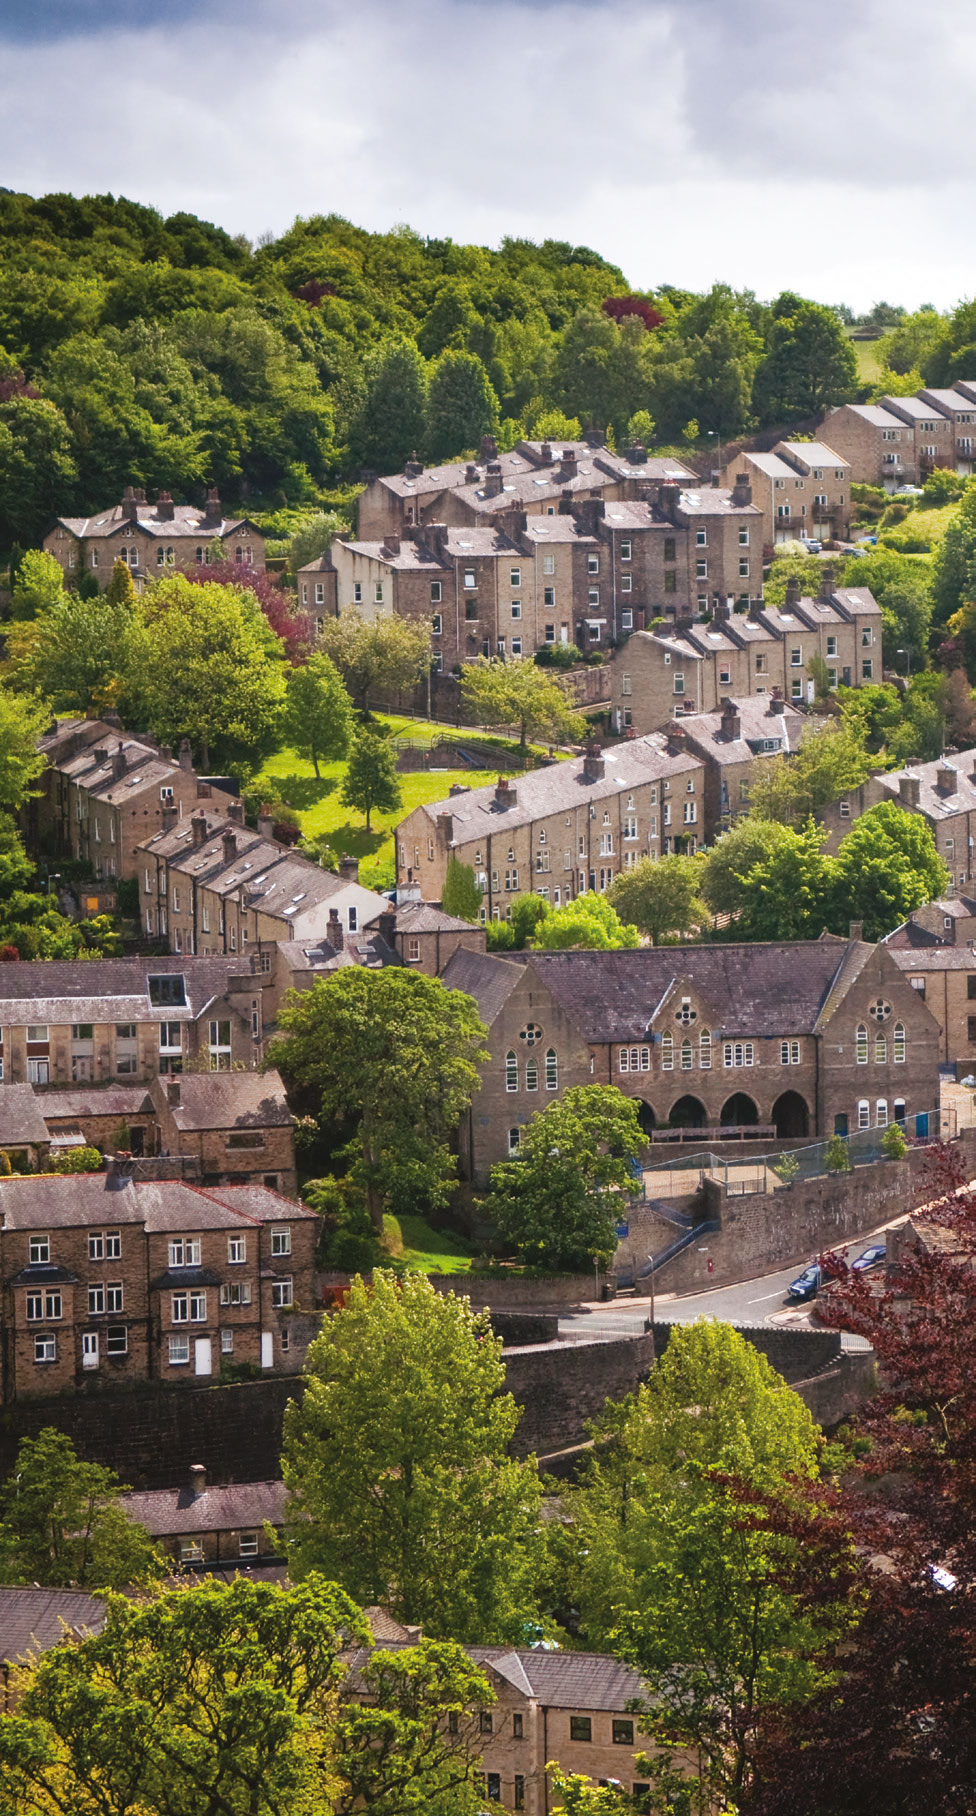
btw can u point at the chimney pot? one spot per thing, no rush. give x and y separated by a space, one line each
165 509
505 795
856 930
118 764
334 933
173 1091
235 812
198 1480
170 815
594 764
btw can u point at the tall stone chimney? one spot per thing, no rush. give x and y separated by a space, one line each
198 826
333 932
130 506
186 754
731 722
741 491
594 764
505 793
229 842
165 508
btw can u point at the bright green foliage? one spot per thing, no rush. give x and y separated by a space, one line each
558 1203
555 427
461 405
382 653
22 722
660 896
39 584
77 1160
496 693
893 1143
749 842
886 866
389 1057
214 1698
837 1155
579 1796
121 589
208 667
461 895
396 1461
911 345
394 1752
809 364
37 470
791 562
76 650
318 712
588 921
525 917
954 577
826 765
391 424
787 895
670 1576
314 537
61 1522
370 780
641 427
601 373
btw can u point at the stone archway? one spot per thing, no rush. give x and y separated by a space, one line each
739 1111
646 1116
688 1113
791 1115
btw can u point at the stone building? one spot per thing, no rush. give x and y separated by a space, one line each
558 831
155 539
899 440
236 1126
729 741
802 488
426 938
936 950
206 1527
108 1282
943 792
810 1039
659 675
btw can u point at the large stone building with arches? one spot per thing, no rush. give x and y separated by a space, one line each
810 1039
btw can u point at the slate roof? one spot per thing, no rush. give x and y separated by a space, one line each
33 1620
423 917
485 976
772 990
580 1681
915 407
757 722
948 401
873 414
318 955
259 1203
226 1100
276 880
187 520
814 454
46 1201
21 1121
175 1512
56 1105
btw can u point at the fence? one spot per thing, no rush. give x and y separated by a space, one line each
771 1172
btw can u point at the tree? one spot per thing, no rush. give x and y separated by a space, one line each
22 723
318 712
824 766
76 651
37 468
39 584
667 1573
809 364
403 1743
217 1697
390 1057
660 896
385 653
789 893
61 1521
749 842
601 373
558 1203
497 693
461 895
207 667
886 866
587 922
371 779
121 589
391 423
396 1461
954 569
314 537
461 405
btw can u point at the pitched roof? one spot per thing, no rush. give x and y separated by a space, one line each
814 453
57 1105
873 414
226 1100
936 803
33 1620
174 1512
424 917
21 1121
762 720
187 520
46 1201
485 976
564 1680
61 991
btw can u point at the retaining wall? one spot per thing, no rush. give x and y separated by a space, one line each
562 1386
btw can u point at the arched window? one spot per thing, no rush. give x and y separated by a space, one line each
199 556
687 1056
552 1070
863 1113
532 1075
705 1050
511 1072
861 1045
898 1042
160 557
880 1050
881 1113
667 1052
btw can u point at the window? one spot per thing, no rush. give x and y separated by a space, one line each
179 1308
705 1050
518 1800
484 1721
236 1249
515 577
789 1053
831 646
39 1249
191 1550
117 1340
679 684
89 1349
198 1308
220 1050
227 1343
168 992
593 564
281 1242
861 1045
863 1113
35 1307
867 669
796 658
623 1732
743 539
435 592
378 592
238 1292
516 646
687 1057
493 1787
580 1727
760 665
184 1252
282 1294
552 1070
45 1349
248 1544
516 608
880 1050
357 592
670 582
739 1053
634 1059
113 1245
881 1113
514 1143
743 569
469 579
898 1043
548 564
701 570
436 625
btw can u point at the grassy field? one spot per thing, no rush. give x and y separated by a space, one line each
868 363
412 1243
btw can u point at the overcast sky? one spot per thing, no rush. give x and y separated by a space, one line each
823 148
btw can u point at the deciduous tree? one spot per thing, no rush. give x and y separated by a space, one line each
886 866
461 405
588 921
559 1202
318 713
371 781
384 653
461 895
661 895
497 693
404 1742
61 1521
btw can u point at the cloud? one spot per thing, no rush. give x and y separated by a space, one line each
688 140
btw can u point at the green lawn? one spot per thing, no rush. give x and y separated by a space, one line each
411 1242
868 363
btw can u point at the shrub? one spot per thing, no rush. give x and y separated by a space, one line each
838 1155
77 1160
893 1143
557 655
787 1167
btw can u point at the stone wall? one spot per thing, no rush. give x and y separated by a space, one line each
520 1292
562 1386
795 1353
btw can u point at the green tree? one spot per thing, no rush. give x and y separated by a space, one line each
555 427
121 589
208 667
313 538
37 467
61 1521
749 842
809 364
396 1460
22 723
318 712
371 778
588 921
601 372
215 1698
389 1057
672 1575
403 1744
461 895
886 866
789 893
497 693
558 1203
384 653
461 405
39 584
392 422
76 651
824 766
954 568
661 896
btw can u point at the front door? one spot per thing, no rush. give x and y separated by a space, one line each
89 1349
202 1359
267 1349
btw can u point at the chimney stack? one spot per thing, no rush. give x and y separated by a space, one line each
165 508
101 756
494 483
230 847
235 812
130 506
349 868
755 609
568 464
265 822
946 779
792 594
594 764
213 514
170 815
731 722
668 499
505 793
118 764
488 448
186 754
198 826
676 740
741 491
828 578
856 930
391 544
173 1091
198 1480
385 925
776 703
721 609
334 933
908 790
546 454
471 473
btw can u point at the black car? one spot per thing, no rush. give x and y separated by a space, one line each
874 1256
806 1285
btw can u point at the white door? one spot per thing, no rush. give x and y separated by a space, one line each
89 1349
267 1349
202 1357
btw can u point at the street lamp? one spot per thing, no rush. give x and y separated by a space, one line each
907 653
53 876
712 435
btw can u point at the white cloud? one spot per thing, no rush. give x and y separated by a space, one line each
688 140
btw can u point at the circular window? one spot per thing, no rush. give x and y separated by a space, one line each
686 1015
531 1034
880 1010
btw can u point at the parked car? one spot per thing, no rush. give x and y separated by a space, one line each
858 554
873 1256
811 544
806 1285
908 492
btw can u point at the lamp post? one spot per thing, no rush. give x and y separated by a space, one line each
52 877
712 435
907 653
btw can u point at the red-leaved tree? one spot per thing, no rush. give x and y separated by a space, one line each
619 306
295 627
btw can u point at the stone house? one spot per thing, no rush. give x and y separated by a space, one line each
211 885
25 1139
803 489
559 831
154 539
813 1039
102 793
202 1526
690 668
943 792
426 938
236 1126
108 1281
958 405
898 440
936 950
33 1620
729 741
931 430
67 1021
